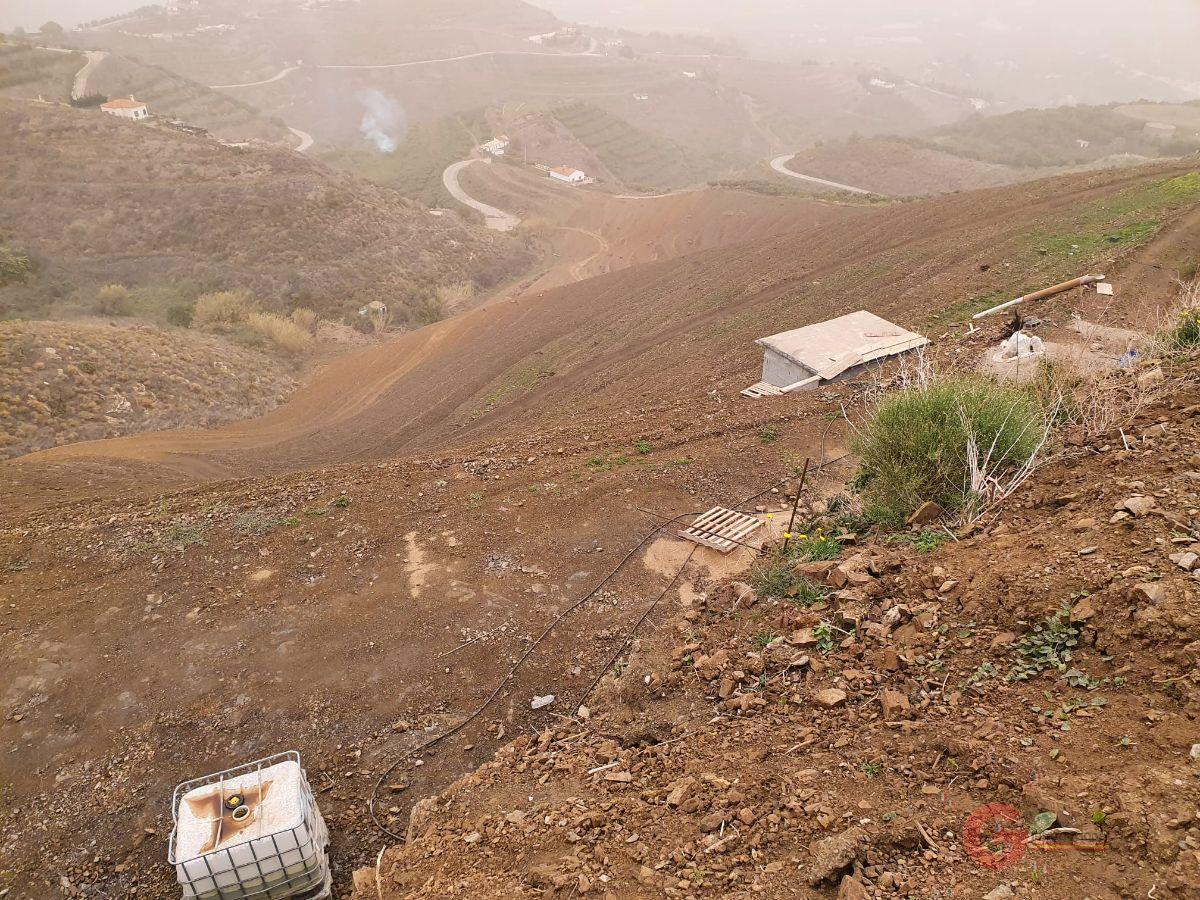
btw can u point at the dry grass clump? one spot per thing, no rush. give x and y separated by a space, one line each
283 333
306 319
223 309
236 313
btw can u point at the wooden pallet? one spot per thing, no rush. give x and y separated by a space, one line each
762 389
721 528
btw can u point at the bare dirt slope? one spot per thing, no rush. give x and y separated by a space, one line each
595 231
738 752
184 601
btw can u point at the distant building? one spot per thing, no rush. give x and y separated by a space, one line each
126 109
641 96
689 74
567 174
496 146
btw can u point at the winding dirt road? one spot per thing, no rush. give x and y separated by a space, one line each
779 164
496 219
94 58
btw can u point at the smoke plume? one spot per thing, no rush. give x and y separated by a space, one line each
383 121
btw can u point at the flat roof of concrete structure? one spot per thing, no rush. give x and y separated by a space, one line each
830 348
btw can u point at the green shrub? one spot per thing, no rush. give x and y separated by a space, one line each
14 266
777 577
914 447
223 309
114 300
814 546
181 314
1184 332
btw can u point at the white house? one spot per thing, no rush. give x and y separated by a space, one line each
126 109
567 174
496 146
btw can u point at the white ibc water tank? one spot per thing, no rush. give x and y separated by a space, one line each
252 832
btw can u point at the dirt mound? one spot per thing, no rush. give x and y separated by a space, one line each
162 208
62 382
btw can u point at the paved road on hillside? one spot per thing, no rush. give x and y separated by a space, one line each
496 219
306 139
282 73
779 164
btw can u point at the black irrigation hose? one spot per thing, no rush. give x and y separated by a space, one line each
432 742
634 630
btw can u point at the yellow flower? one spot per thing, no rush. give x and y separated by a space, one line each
788 535
770 515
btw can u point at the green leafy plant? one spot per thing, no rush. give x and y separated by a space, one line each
1048 645
768 434
871 769
823 632
777 577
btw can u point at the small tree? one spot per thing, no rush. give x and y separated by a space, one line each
52 30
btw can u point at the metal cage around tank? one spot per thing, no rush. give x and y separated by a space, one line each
291 862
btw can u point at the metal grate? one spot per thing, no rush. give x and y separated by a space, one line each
721 528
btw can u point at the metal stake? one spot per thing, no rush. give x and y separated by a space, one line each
796 504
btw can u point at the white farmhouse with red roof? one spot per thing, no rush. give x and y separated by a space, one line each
126 109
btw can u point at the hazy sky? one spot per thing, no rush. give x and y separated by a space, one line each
1040 52
32 13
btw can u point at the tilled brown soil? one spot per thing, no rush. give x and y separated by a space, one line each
736 753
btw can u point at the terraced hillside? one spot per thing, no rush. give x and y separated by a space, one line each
172 96
158 208
989 150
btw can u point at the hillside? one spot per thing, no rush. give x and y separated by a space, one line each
62 382
183 215
171 96
409 523
983 151
643 110
27 72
